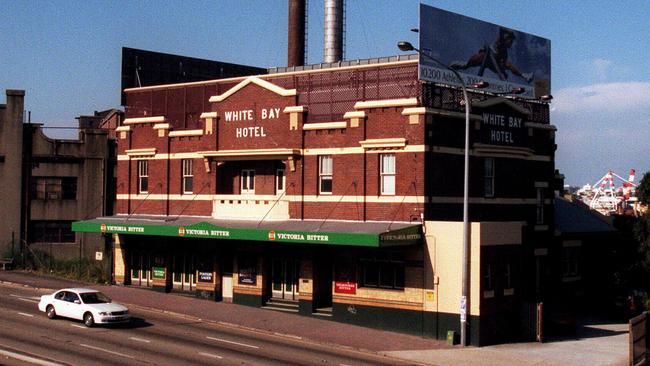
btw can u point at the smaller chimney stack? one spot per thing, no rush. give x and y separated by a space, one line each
296 42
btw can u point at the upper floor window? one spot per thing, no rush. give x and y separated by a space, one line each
570 260
247 181
143 176
488 177
540 206
280 181
325 174
54 188
387 174
188 176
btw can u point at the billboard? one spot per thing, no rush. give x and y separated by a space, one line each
482 51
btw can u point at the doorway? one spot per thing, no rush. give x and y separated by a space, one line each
183 272
140 269
284 278
323 273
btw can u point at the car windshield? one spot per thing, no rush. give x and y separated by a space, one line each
94 298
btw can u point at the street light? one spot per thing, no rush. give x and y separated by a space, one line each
406 46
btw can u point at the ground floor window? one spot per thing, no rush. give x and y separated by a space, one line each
51 232
382 273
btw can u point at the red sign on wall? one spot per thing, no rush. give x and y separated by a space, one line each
345 287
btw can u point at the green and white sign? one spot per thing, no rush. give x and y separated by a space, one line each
407 236
159 273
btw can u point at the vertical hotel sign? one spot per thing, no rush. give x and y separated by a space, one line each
482 51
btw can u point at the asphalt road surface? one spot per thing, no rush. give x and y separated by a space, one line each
27 336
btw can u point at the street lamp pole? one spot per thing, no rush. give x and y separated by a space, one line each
464 303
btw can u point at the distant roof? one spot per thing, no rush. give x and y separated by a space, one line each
570 217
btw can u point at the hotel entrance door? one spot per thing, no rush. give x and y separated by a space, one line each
284 276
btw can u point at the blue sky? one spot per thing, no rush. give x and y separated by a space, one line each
66 55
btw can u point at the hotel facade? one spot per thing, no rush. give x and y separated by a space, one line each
336 191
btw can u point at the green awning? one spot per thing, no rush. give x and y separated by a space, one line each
365 234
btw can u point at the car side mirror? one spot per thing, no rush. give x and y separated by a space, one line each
77 302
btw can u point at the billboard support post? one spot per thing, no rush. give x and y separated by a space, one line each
464 300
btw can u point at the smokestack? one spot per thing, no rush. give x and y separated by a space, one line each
333 31
296 44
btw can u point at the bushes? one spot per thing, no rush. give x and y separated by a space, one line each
84 269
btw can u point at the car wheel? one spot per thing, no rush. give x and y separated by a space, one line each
89 321
50 312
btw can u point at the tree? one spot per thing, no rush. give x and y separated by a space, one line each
643 189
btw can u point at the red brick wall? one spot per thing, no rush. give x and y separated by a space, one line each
355 176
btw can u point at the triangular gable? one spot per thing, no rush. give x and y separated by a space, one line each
255 80
491 102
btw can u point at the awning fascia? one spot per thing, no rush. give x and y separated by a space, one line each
411 235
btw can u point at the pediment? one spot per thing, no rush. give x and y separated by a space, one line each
257 81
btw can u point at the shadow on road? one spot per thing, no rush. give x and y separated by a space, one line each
135 323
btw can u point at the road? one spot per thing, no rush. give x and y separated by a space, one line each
153 338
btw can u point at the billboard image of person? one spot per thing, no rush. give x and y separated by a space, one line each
482 51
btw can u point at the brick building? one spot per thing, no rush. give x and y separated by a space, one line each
336 191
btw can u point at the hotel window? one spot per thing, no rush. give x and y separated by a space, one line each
488 177
382 273
325 174
387 174
188 176
143 176
54 188
247 181
540 205
279 181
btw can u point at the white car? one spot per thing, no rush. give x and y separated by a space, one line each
91 306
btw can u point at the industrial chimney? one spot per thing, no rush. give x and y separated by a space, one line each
333 31
296 43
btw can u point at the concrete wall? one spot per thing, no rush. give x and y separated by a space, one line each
11 146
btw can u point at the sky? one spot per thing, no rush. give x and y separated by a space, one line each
67 56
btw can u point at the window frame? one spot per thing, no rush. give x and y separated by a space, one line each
248 176
143 176
488 177
539 209
187 175
54 188
325 174
384 174
51 231
375 267
280 179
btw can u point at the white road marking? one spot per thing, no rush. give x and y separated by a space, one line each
140 339
105 350
78 326
210 355
25 314
231 342
31 360
25 298
28 300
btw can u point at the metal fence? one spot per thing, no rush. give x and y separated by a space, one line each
639 341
